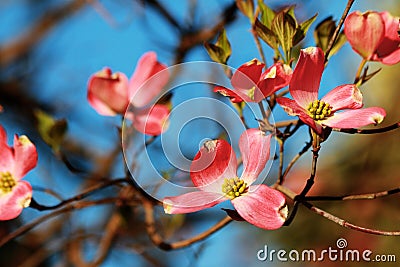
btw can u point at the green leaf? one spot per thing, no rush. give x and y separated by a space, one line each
340 41
267 14
324 32
221 50
51 130
290 12
246 7
223 42
284 27
302 30
266 34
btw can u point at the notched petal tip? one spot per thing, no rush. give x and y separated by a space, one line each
167 206
284 212
210 145
24 140
379 117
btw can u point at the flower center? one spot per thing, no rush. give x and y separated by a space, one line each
233 187
319 110
7 182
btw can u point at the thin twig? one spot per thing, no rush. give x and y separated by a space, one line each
292 195
369 131
346 224
72 207
281 124
107 240
81 196
355 197
295 159
157 239
310 181
281 142
337 30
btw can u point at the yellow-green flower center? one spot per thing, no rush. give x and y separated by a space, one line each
7 182
319 110
233 187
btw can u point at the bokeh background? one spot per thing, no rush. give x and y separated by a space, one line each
48 50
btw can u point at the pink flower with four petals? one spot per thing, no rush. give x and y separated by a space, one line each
15 162
252 85
111 93
304 87
214 173
375 36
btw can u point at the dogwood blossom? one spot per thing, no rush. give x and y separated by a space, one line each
252 85
111 94
304 87
374 35
214 172
15 162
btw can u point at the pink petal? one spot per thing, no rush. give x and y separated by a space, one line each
274 78
25 156
293 109
392 58
12 203
191 202
3 135
388 49
6 153
148 80
214 162
364 32
151 121
108 93
235 98
304 84
254 146
356 118
346 96
245 80
262 206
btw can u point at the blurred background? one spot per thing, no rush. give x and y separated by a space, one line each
49 49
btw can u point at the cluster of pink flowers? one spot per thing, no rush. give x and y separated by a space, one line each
375 36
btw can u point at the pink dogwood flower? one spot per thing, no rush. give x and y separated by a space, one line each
214 172
304 88
112 93
15 162
375 36
252 85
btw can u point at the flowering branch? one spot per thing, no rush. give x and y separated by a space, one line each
157 240
369 131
